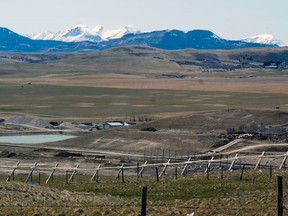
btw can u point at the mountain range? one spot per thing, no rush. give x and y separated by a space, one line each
99 33
84 33
81 38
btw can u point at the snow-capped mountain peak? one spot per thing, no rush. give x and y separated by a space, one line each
42 36
265 39
84 33
76 31
118 33
98 33
98 28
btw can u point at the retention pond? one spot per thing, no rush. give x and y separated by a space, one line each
34 139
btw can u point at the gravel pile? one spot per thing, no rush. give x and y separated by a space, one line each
30 121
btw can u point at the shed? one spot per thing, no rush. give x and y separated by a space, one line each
115 124
108 125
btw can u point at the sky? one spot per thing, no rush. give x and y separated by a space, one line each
229 19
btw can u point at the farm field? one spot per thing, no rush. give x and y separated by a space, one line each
121 104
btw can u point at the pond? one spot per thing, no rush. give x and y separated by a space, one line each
34 139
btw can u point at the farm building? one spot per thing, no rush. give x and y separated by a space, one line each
109 125
115 124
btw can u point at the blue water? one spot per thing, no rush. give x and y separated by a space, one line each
34 139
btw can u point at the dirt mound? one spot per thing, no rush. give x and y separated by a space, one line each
150 129
29 121
68 154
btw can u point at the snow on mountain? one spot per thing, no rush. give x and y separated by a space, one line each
75 34
84 33
265 39
118 33
165 39
98 33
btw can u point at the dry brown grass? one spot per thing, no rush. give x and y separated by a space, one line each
122 67
255 85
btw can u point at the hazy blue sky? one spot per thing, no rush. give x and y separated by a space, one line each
231 19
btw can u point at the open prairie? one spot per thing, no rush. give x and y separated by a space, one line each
126 81
131 82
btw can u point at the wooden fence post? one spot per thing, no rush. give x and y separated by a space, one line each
222 172
142 169
144 201
284 161
165 167
12 174
30 175
157 176
96 174
184 171
66 176
73 174
280 196
39 178
242 171
119 172
122 171
232 164
209 164
51 174
259 161
207 171
137 171
176 172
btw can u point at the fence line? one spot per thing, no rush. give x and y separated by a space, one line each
43 167
189 161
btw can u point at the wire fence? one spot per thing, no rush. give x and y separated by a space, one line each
210 171
199 163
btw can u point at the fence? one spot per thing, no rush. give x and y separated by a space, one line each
196 163
216 162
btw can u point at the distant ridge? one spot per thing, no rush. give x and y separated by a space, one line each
175 39
80 33
166 39
13 42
